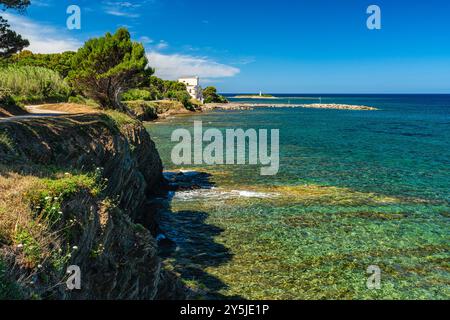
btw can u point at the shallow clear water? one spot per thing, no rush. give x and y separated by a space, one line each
355 188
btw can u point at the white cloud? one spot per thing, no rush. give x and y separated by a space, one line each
162 45
122 8
118 13
48 39
145 40
40 3
173 66
43 38
244 61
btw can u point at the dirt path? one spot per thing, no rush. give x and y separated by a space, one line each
44 111
38 110
34 112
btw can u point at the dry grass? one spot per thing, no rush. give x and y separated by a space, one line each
29 239
30 208
14 211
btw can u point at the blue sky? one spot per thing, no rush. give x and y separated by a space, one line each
282 46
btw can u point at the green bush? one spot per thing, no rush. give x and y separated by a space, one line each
196 104
6 100
211 96
137 94
82 100
77 99
6 141
31 247
59 62
34 84
8 104
182 96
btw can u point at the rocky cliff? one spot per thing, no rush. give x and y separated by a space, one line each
84 183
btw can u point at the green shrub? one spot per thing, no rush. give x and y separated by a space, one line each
8 104
137 94
31 247
6 141
182 96
6 99
196 104
33 84
211 96
77 99
59 62
82 100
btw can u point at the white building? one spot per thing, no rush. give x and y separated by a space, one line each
193 87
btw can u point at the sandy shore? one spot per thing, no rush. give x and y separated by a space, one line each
250 106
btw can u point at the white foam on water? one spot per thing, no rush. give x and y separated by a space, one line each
220 194
253 194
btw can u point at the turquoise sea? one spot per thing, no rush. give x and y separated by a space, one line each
355 189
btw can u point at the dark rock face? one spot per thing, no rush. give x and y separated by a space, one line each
117 256
126 265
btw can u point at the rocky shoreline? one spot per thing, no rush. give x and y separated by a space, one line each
251 106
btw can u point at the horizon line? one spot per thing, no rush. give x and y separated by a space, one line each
255 93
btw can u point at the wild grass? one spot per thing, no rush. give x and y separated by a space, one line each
14 210
30 224
83 101
29 84
119 119
30 206
47 198
6 141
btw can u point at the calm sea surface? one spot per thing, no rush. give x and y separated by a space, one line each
355 188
